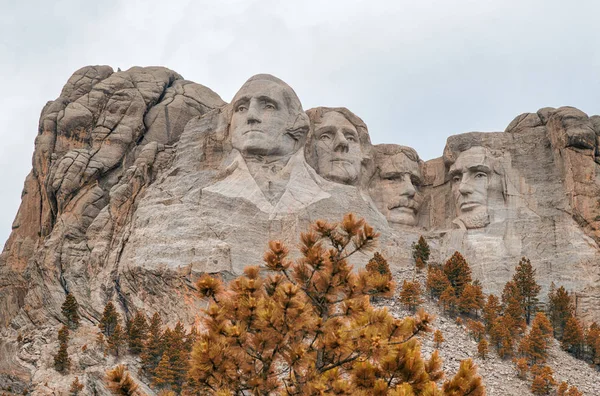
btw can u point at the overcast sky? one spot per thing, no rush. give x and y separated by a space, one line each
415 71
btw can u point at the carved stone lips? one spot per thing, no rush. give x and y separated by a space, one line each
469 205
341 160
253 130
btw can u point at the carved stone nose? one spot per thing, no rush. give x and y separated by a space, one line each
408 189
340 143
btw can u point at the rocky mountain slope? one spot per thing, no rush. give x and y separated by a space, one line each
142 181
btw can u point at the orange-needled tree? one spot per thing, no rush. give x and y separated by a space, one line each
307 327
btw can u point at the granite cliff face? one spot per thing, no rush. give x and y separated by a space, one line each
142 181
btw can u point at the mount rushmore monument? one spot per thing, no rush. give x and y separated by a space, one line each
142 181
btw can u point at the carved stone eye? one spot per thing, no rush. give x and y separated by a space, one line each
480 175
241 108
324 137
269 106
456 179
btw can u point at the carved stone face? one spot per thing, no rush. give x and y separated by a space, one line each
338 150
470 175
397 189
259 120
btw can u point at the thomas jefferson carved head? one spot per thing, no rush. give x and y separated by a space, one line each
396 185
267 118
338 144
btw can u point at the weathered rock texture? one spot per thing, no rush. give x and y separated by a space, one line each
142 181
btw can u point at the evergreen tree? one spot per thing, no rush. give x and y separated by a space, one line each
437 281
178 356
535 345
543 381
592 342
120 382
154 346
63 335
465 382
476 329
513 309
522 367
62 362
137 333
109 320
572 339
421 251
117 340
458 272
69 310
448 300
191 338
164 374
378 264
501 337
524 279
76 387
312 320
560 309
482 348
438 338
471 299
410 295
491 311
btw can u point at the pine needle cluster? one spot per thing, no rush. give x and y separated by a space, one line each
307 327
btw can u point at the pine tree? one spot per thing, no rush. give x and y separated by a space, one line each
513 309
410 295
491 311
437 281
69 310
501 337
534 346
117 340
471 299
458 272
438 338
164 374
154 346
465 382
378 264
178 357
543 381
312 320
572 339
592 342
120 382
562 389
109 320
482 348
63 335
421 251
522 367
62 362
560 309
137 333
449 301
524 279
476 329
76 387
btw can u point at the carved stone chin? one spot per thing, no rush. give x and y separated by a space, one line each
477 218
